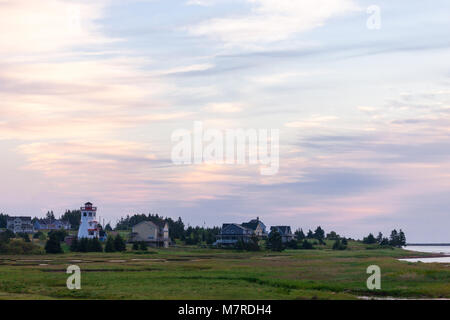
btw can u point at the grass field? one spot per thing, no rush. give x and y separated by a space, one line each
197 273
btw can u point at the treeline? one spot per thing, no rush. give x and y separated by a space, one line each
177 230
396 239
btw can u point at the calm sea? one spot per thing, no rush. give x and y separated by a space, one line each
431 249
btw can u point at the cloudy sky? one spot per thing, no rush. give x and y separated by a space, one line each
91 92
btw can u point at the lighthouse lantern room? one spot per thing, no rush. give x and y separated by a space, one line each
88 226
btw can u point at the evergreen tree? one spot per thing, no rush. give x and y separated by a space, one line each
53 245
274 242
394 238
299 234
143 246
379 237
402 238
74 245
109 247
306 245
83 245
370 239
310 235
319 233
95 245
119 244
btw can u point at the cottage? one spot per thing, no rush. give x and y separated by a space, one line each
285 232
259 228
51 224
231 233
154 233
20 224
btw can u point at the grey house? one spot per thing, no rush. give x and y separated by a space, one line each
231 233
20 224
285 232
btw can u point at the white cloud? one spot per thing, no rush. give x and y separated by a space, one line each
271 20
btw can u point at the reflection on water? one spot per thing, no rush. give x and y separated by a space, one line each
431 249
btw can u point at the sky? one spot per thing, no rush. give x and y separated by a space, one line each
92 91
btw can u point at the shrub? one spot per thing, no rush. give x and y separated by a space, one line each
143 246
74 245
135 246
19 247
109 247
53 245
119 244
58 234
38 235
306 245
94 245
274 242
338 245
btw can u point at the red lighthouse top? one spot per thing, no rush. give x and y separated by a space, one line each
88 207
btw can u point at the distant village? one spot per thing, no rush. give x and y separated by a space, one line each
153 231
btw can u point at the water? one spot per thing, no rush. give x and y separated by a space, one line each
432 249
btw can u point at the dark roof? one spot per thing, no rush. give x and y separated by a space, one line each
50 221
21 218
253 224
88 204
282 229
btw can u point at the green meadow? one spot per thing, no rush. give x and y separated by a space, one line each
202 273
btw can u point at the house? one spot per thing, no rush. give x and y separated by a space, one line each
259 229
51 224
153 233
231 233
20 224
285 232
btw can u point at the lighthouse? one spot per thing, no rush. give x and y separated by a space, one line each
88 226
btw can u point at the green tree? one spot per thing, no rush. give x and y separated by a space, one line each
83 245
3 220
402 238
38 235
319 234
109 247
310 235
119 244
143 246
274 241
95 245
338 245
370 239
135 246
306 245
53 245
73 217
59 234
50 215
379 237
74 245
299 234
108 227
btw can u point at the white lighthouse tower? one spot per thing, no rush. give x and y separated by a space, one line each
89 226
